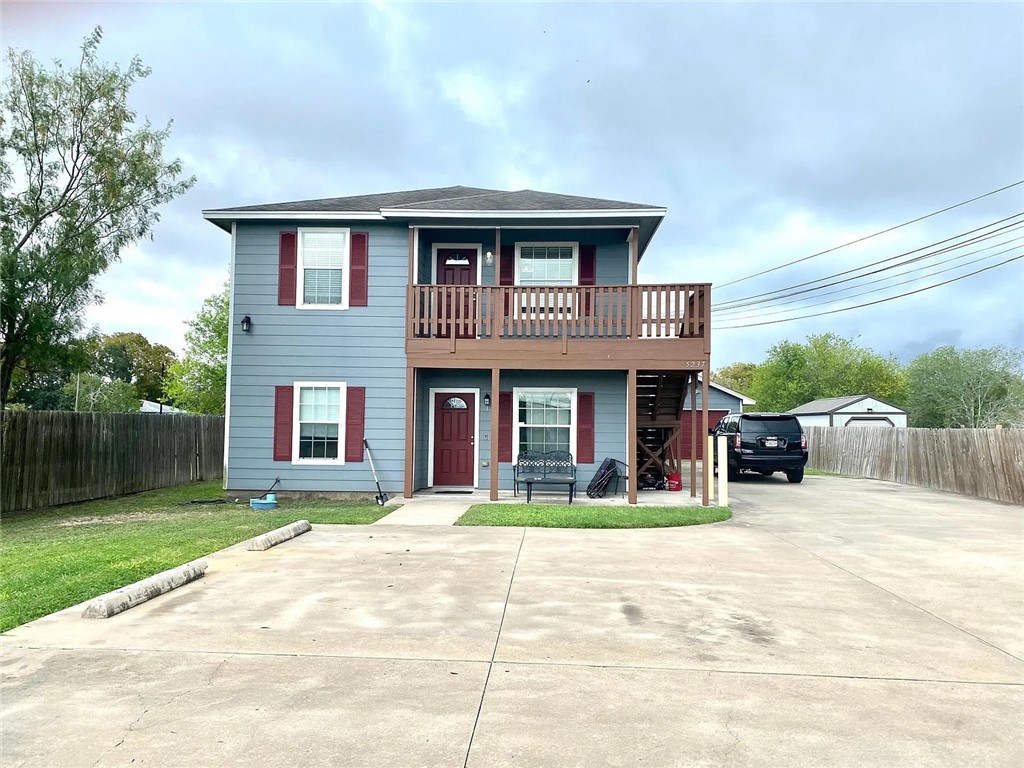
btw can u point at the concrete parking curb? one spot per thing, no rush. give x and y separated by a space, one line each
278 535
112 603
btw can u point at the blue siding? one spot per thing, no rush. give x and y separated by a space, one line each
362 346
717 401
609 388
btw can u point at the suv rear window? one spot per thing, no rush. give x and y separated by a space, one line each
769 425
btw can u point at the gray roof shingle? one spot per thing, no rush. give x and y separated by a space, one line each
365 203
456 199
827 404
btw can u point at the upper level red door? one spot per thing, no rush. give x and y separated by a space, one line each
457 266
454 438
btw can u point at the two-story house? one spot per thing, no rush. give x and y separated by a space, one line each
454 328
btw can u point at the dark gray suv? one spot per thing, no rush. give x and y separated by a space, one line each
764 443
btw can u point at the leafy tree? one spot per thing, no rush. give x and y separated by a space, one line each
80 180
198 383
825 366
94 393
130 357
738 376
39 385
952 387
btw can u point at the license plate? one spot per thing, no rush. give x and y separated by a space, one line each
771 442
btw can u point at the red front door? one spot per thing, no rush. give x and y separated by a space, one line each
454 439
457 266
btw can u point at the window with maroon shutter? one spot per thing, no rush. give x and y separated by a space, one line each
588 272
355 417
358 291
283 403
585 428
505 426
287 263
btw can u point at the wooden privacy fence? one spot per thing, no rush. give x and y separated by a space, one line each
987 463
58 457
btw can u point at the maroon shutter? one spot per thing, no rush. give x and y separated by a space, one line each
507 277
358 274
508 265
585 428
355 417
588 271
283 401
286 268
505 426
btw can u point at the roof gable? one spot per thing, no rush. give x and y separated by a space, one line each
834 404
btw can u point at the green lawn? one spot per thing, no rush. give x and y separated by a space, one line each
590 516
59 557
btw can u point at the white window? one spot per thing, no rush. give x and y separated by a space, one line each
547 263
545 420
318 423
323 264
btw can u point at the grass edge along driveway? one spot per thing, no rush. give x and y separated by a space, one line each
54 558
583 516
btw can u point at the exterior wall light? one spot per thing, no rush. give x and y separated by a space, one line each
487 401
246 324
489 258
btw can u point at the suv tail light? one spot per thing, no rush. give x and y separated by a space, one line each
736 440
803 441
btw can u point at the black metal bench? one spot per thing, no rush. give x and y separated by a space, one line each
550 468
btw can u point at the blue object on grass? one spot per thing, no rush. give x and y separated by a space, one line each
262 504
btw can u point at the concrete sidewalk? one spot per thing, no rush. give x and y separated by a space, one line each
882 629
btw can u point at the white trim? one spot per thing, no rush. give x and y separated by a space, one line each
384 213
346 271
476 430
291 215
522 226
416 255
433 258
342 408
412 213
573 417
231 338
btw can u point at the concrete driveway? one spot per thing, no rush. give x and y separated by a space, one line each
837 622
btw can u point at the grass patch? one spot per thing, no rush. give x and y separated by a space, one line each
58 557
584 516
821 473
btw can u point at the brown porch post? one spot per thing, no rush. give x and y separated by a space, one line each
410 425
631 432
693 435
495 398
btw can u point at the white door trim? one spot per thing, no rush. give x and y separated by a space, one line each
478 247
432 392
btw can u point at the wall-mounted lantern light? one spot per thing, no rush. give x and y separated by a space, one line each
246 324
487 401
489 258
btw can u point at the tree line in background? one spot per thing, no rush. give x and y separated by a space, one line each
948 387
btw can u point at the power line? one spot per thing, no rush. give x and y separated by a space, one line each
884 287
750 300
773 303
872 303
868 237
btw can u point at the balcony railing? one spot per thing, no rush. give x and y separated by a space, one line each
670 311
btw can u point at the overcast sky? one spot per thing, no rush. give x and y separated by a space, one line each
769 131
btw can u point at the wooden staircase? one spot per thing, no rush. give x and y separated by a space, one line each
660 396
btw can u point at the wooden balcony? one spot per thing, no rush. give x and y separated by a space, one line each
654 327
